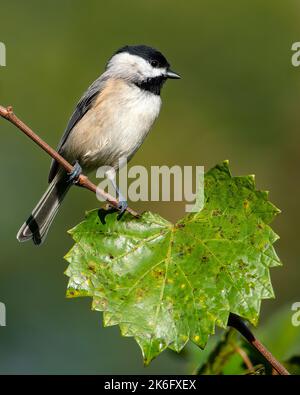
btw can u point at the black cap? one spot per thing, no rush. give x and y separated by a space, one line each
153 56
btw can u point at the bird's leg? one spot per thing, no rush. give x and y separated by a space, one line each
75 173
122 201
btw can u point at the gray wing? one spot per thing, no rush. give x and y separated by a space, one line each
84 104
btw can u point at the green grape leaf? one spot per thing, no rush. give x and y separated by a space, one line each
164 283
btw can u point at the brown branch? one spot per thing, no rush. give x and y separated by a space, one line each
237 323
83 181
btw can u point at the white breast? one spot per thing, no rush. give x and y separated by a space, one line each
115 127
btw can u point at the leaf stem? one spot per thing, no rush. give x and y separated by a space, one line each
7 113
245 358
237 323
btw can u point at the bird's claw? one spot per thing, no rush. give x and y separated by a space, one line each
122 206
75 173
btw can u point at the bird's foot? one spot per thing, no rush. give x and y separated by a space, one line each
75 173
122 206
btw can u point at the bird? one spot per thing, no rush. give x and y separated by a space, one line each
110 122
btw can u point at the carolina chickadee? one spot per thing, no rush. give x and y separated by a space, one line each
110 122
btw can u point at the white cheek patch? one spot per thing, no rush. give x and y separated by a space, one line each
157 72
126 64
144 68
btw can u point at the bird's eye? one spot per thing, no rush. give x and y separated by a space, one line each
154 63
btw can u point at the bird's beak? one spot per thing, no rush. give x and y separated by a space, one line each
172 75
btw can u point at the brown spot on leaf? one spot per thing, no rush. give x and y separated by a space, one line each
216 213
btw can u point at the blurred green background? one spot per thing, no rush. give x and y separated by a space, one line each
239 100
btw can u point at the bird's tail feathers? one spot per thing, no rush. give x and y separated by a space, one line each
37 225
